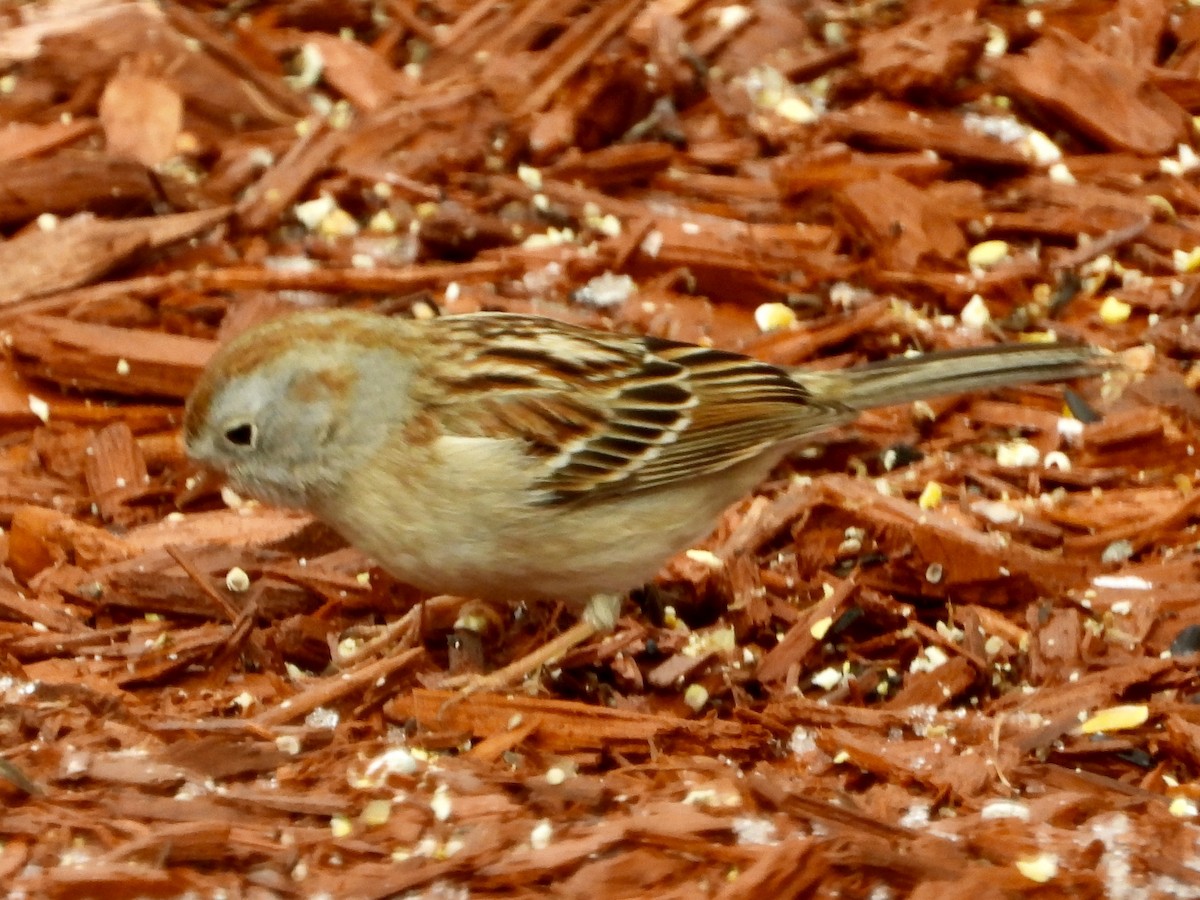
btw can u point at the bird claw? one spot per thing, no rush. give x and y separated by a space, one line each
516 672
462 690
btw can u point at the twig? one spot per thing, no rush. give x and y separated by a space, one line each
330 689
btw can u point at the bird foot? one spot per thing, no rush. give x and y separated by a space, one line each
518 670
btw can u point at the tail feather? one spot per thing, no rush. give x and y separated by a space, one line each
908 379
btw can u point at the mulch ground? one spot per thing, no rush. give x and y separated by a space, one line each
948 653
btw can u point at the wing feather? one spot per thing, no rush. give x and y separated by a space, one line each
649 411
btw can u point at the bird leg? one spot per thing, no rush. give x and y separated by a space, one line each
404 632
599 617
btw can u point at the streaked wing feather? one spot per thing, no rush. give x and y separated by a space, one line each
546 421
655 411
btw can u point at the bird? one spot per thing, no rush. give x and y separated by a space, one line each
513 458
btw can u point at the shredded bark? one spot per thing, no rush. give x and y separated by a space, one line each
949 651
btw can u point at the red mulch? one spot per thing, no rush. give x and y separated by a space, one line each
854 688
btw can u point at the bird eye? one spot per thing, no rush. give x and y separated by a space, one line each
243 434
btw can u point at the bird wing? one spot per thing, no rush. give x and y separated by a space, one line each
617 414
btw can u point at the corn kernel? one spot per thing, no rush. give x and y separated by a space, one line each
986 254
1183 808
1116 718
1114 311
774 316
1186 260
341 826
376 812
931 497
1040 868
695 697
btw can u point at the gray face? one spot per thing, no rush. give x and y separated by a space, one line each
287 432
266 443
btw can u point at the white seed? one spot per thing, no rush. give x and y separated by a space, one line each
237 580
976 313
796 110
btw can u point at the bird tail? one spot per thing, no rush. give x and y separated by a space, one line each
908 379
